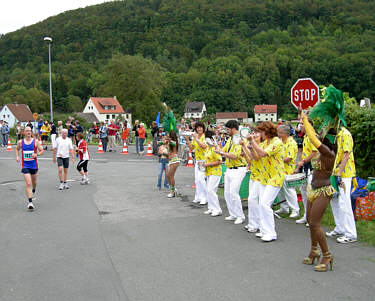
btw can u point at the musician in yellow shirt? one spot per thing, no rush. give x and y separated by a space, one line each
286 193
257 180
273 153
213 174
344 170
234 174
199 146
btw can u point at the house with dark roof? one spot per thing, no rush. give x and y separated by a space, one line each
15 112
265 113
195 110
106 109
223 117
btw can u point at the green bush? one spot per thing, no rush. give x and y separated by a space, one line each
361 124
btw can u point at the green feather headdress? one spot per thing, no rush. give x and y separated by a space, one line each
330 112
169 122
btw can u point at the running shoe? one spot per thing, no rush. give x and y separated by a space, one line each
61 187
30 206
345 239
333 233
66 186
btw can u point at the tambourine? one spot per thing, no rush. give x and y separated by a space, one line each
211 141
201 166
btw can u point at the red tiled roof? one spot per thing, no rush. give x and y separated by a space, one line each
259 109
100 102
228 115
20 111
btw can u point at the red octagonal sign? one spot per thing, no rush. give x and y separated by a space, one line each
305 93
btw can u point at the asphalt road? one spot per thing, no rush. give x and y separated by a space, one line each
119 238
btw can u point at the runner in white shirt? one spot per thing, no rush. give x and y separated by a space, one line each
61 151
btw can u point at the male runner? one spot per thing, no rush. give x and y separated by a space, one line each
61 151
30 149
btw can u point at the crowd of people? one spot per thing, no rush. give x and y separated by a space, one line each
278 158
275 155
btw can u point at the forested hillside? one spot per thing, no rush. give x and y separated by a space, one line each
231 54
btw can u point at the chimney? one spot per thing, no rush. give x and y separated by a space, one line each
115 97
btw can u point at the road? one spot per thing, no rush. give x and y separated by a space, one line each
119 238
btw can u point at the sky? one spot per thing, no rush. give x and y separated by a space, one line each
15 14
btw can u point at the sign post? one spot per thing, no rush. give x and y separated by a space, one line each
305 93
35 116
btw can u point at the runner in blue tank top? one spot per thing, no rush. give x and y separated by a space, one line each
30 149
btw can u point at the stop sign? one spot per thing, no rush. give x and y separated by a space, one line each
305 93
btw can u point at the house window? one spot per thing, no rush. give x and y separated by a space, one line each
127 116
107 116
113 116
8 116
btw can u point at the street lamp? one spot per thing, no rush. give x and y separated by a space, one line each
49 41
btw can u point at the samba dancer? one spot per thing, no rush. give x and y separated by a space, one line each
319 193
173 162
199 146
235 172
274 153
286 193
212 164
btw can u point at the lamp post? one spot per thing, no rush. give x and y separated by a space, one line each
49 41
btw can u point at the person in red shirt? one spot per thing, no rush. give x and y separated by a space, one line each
142 136
125 133
112 129
84 157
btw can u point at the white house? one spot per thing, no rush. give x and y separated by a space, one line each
195 110
265 113
106 109
14 112
223 117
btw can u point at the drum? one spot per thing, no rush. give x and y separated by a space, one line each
295 180
200 165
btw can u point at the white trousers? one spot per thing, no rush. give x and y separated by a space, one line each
304 193
290 195
342 211
200 183
53 140
211 189
232 184
267 221
255 188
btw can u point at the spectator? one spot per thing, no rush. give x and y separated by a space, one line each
45 130
154 134
135 128
5 133
40 124
59 128
112 130
103 135
53 134
142 136
1 134
125 133
19 131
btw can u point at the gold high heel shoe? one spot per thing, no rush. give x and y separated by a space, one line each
322 267
315 254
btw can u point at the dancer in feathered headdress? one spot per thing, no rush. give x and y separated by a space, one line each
169 125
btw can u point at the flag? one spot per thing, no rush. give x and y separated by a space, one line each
157 119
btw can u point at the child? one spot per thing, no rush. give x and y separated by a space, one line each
84 157
163 162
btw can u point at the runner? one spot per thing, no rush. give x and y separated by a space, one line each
30 149
61 151
84 157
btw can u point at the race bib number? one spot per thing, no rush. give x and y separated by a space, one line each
28 155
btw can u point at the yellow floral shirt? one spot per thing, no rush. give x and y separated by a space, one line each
258 170
210 157
290 151
274 162
236 150
198 151
307 147
344 144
